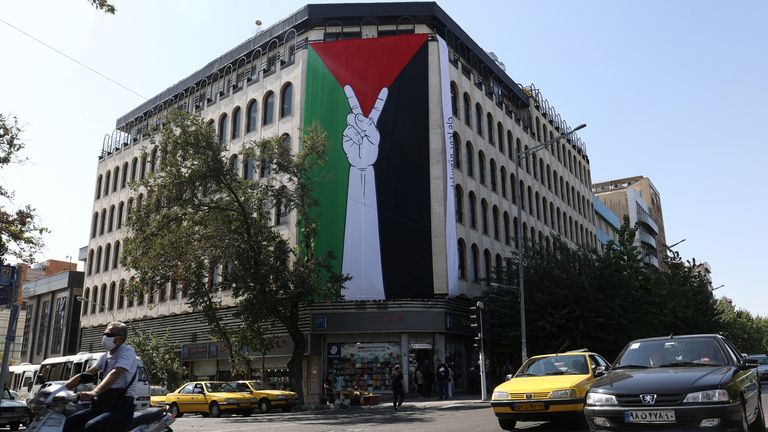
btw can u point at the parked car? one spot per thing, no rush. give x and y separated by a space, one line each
12 412
762 365
266 396
694 382
208 398
547 387
157 396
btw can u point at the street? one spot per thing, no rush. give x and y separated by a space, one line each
450 416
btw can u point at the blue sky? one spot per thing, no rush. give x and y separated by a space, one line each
671 90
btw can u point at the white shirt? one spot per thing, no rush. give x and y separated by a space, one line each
125 357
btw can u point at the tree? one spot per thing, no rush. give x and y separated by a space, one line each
20 232
257 338
198 224
159 357
104 5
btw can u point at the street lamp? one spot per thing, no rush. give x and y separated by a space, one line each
477 319
519 157
83 299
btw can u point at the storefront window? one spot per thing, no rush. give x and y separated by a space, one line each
366 366
456 358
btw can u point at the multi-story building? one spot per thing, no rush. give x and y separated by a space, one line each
438 199
606 223
637 198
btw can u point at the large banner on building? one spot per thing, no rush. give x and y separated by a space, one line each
371 97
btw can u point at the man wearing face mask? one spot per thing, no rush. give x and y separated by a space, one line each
112 399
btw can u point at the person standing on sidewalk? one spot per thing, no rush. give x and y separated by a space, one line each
443 375
418 376
398 388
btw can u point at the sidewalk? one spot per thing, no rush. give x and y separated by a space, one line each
413 401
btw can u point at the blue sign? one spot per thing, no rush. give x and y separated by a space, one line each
334 351
319 322
7 283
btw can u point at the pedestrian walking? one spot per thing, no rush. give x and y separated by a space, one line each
398 388
443 375
419 378
328 396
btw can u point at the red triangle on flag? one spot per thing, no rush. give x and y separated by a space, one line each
368 65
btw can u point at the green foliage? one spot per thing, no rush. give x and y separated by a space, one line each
749 333
104 5
204 228
159 357
578 298
20 232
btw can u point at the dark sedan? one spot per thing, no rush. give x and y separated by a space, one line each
680 383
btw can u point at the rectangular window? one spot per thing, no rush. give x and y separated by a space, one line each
58 325
42 333
27 324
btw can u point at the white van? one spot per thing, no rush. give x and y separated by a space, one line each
22 377
64 368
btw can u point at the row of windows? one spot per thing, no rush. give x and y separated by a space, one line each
252 116
547 213
498 180
112 179
561 151
103 259
116 297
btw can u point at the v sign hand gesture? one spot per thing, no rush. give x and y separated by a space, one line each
361 136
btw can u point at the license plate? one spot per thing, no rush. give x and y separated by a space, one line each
531 406
656 416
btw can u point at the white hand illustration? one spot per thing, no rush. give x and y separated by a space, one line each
361 137
362 253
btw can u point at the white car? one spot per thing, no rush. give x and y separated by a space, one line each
12 412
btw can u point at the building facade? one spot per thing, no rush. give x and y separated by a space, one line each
449 123
637 198
607 223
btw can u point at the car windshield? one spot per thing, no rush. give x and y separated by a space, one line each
672 353
555 365
213 387
258 385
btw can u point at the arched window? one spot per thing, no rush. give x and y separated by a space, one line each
286 100
456 150
530 202
499 267
124 178
506 228
106 182
467 110
121 294
99 180
236 115
269 108
86 295
489 118
470 160
143 167
94 224
544 210
103 298
495 222
103 221
462 259
107 252
111 304
111 223
475 263
522 195
459 204
500 136
234 165
503 178
515 227
115 179
248 169
134 168
493 175
513 188
487 266
549 178
223 128
120 208
116 259
153 160
538 206
472 210
454 101
484 215
90 262
253 118
481 167
479 119
94 298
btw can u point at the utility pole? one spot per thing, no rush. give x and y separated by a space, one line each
9 280
477 321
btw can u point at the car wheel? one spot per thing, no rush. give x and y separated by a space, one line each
265 406
14 425
214 410
507 424
759 424
175 411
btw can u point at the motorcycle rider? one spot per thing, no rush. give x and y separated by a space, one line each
112 399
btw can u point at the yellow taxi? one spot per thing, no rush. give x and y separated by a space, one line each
266 396
208 398
157 396
548 387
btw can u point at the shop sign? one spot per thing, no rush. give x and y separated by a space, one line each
195 351
416 346
334 351
319 322
7 279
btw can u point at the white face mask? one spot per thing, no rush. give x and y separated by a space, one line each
108 342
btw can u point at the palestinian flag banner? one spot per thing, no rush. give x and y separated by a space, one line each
371 97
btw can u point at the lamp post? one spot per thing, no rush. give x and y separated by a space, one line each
519 229
478 310
83 299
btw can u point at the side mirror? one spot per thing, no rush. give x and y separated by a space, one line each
748 363
599 371
507 377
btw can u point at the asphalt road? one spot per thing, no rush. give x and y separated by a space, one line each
451 416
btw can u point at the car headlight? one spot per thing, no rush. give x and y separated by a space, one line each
230 401
601 399
562 394
708 396
500 395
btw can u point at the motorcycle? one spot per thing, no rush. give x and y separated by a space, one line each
55 403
